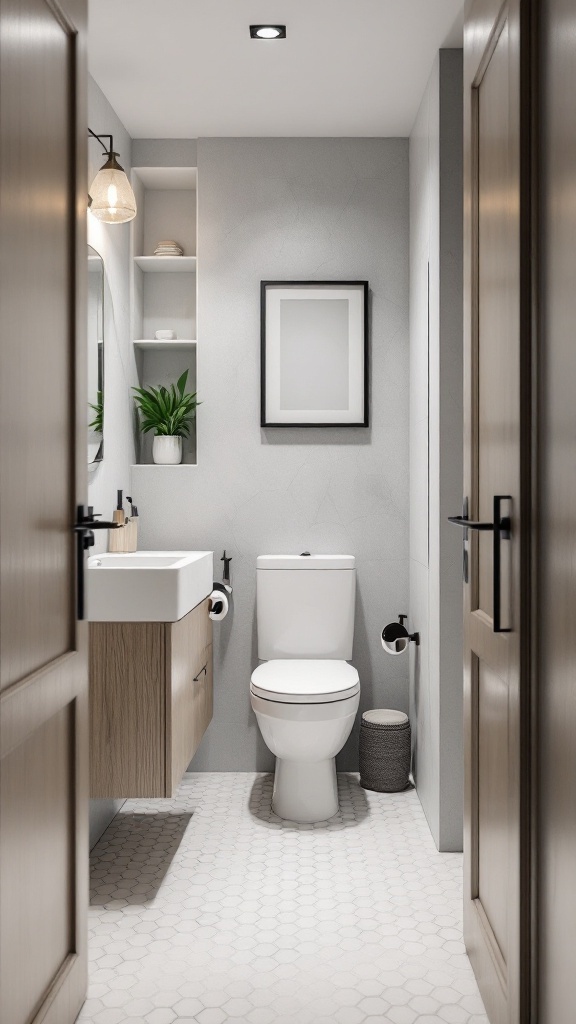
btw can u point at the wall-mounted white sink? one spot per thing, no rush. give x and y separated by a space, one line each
147 586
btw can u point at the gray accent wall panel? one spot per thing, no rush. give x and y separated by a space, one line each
436 448
285 209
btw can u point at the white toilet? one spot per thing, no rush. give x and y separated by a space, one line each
305 696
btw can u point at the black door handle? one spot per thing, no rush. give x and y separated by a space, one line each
469 524
95 524
84 530
501 527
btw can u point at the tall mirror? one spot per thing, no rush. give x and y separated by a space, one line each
95 358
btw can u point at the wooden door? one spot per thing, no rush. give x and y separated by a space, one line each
557 627
43 669
495 864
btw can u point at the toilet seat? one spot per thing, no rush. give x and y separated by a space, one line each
302 681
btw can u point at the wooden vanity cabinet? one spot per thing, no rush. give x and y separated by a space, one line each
150 702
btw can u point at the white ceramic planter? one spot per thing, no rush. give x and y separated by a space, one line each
166 450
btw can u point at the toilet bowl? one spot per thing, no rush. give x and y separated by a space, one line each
305 710
305 695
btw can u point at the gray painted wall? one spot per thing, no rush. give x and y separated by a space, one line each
293 209
164 153
113 244
436 448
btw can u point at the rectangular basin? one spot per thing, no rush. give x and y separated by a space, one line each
147 586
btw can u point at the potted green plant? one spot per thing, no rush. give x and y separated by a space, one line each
97 424
169 412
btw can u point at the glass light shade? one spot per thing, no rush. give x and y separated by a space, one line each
113 200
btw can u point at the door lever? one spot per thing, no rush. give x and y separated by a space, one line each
501 527
84 530
469 524
91 523
463 521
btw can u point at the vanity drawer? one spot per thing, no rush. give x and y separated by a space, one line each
189 701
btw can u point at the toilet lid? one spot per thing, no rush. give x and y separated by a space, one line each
295 681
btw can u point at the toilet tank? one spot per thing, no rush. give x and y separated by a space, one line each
305 606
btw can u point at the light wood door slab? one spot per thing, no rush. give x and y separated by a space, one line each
43 657
496 701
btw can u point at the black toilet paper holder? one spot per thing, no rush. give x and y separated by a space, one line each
225 586
397 631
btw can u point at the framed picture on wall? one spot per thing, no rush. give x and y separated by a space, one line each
314 354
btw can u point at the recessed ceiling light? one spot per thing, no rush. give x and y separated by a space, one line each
268 31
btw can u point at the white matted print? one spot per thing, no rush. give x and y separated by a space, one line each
314 353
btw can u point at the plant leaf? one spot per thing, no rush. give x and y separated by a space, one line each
181 384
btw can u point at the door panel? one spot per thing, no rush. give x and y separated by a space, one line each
498 277
496 459
37 565
37 811
493 788
43 674
495 861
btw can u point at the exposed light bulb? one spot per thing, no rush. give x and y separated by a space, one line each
113 200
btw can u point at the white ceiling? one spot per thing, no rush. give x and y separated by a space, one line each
188 68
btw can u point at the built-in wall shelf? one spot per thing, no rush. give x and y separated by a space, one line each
166 264
176 345
164 291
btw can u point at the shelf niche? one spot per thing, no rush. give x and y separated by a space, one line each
164 288
163 363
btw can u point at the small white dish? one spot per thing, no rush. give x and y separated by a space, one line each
165 335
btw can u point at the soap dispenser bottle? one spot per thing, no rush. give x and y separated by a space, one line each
117 538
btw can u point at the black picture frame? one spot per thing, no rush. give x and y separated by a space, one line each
364 286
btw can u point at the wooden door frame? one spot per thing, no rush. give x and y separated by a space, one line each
76 12
482 22
530 479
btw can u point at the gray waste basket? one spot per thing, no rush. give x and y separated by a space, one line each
385 750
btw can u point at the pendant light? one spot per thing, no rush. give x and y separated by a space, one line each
111 197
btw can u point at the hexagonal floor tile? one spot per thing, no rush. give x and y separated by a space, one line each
208 909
